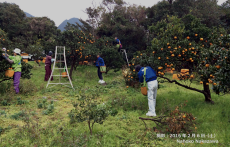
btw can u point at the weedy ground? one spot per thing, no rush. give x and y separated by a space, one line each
39 116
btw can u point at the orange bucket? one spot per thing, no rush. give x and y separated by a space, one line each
9 73
144 91
64 74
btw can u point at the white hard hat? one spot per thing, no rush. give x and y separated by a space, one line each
17 51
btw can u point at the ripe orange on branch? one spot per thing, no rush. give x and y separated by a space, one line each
218 66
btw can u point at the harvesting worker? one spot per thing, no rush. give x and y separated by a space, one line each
48 66
99 62
151 80
118 44
16 65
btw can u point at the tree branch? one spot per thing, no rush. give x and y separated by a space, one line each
5 79
185 86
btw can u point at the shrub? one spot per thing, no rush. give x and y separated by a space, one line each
88 109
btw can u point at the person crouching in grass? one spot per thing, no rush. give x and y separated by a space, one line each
99 62
151 80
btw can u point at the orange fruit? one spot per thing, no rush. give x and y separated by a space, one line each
184 116
169 46
207 65
141 54
173 68
159 58
188 37
162 49
214 84
172 55
127 86
153 52
201 39
196 35
162 73
179 47
179 55
218 66
175 37
190 44
192 76
134 70
167 57
137 57
201 82
167 43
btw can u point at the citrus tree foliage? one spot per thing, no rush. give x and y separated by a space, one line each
76 42
109 53
88 109
204 51
114 18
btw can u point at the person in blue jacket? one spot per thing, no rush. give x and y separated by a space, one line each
151 80
99 62
118 43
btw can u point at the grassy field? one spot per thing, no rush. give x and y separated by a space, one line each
22 123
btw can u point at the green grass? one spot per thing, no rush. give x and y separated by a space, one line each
124 129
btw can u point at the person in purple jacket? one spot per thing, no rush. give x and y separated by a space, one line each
48 63
151 80
99 62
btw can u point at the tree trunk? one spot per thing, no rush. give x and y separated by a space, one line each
72 67
90 127
207 93
38 63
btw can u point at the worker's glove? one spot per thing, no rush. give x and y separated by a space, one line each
4 56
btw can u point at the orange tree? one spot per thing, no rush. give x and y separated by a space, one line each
112 58
186 43
79 46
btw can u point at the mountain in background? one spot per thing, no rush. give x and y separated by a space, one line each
71 21
28 15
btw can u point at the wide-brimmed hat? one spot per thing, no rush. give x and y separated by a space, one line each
17 51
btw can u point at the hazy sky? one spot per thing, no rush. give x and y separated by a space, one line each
60 10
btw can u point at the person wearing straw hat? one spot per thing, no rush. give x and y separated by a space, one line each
151 80
48 66
17 67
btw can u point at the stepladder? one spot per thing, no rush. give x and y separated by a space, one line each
59 65
124 52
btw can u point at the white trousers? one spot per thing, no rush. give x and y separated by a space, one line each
152 95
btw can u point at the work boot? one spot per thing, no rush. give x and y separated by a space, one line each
151 114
